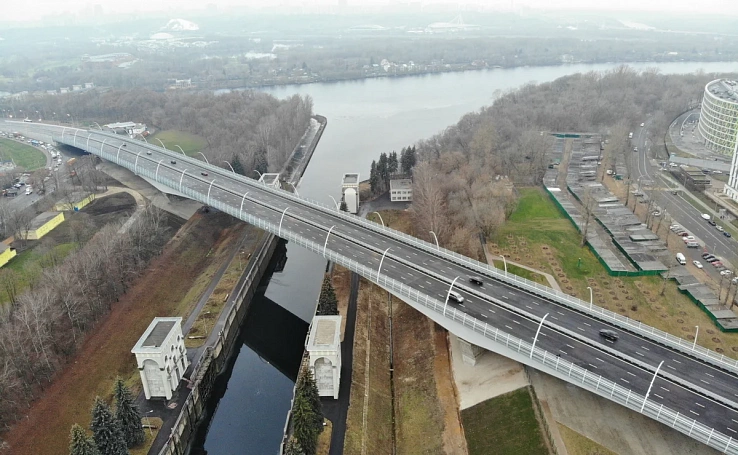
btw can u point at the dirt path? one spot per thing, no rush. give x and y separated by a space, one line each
105 353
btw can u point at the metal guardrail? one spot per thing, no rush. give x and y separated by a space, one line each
537 357
574 303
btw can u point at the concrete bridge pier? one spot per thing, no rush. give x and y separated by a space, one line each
470 353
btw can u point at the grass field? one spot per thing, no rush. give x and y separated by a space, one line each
505 424
538 235
521 272
190 143
578 444
25 156
30 263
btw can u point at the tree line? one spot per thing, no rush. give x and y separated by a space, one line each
250 129
41 328
307 417
388 165
463 185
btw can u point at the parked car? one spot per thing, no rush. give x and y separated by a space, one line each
719 228
726 273
711 259
727 234
711 223
697 264
706 255
705 216
683 233
717 264
688 238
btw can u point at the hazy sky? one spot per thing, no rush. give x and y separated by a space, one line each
36 9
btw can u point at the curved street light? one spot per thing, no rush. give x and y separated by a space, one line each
98 125
294 188
162 144
334 201
260 174
229 165
206 158
180 149
436 238
450 288
380 218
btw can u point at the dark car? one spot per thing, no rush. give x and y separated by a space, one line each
173 162
711 223
125 145
704 255
204 173
711 259
609 334
148 152
727 234
476 280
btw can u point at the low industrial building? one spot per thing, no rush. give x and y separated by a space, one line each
42 225
324 350
75 202
350 192
401 188
161 357
692 178
6 254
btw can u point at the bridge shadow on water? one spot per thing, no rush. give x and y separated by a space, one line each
247 409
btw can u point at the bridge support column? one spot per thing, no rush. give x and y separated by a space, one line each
470 353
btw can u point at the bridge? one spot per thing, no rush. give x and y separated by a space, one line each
671 380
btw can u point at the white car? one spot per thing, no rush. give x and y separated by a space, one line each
688 238
674 227
697 264
726 273
642 125
719 228
705 216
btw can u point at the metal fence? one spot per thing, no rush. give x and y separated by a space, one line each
535 357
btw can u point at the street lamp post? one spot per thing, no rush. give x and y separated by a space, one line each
180 149
210 188
380 218
436 238
504 261
180 180
294 188
280 221
334 201
697 332
325 245
535 338
98 125
448 295
590 298
379 270
135 164
651 385
206 158
162 144
260 175
229 165
156 174
240 211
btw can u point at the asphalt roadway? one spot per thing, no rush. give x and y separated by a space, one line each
691 387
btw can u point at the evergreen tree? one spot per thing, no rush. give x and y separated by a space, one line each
374 178
261 163
237 165
382 171
80 443
392 164
303 425
293 447
407 159
344 205
127 414
307 387
327 302
106 430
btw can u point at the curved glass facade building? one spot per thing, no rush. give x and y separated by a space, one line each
719 116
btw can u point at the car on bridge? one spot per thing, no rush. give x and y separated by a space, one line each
455 296
476 280
609 334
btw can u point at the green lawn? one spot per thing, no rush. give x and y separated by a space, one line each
29 264
505 424
25 156
190 143
540 222
521 272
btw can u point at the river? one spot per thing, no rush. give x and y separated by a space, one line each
365 118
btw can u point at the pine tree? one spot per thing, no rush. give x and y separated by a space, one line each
128 415
374 178
307 387
237 166
303 425
382 172
327 301
344 206
392 163
407 159
293 447
106 430
80 443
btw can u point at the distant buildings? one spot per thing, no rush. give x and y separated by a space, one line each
718 125
401 188
42 225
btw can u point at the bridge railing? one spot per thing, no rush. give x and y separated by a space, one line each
537 357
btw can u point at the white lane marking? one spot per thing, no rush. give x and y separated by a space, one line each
504 296
517 322
528 306
640 354
570 346
700 405
657 395
509 327
554 317
484 315
534 303
704 381
625 380
588 325
675 360
693 412
421 286
645 348
736 421
631 374
669 366
664 388
491 310
600 359
563 352
591 365
579 328
731 430
561 313
709 374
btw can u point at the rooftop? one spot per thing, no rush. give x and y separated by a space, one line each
156 334
350 178
325 333
43 219
724 89
401 184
